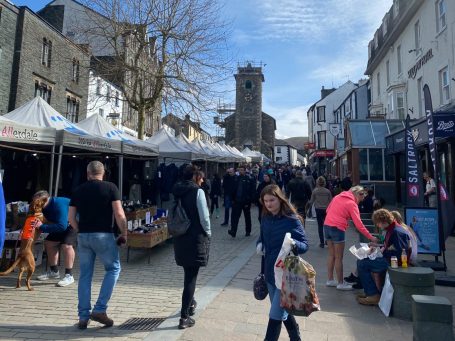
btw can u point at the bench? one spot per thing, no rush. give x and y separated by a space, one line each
431 318
407 282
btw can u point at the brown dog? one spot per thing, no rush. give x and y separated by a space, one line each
25 260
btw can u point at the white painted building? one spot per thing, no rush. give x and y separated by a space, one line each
285 153
106 99
321 116
414 46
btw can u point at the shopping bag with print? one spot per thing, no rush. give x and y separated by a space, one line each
298 287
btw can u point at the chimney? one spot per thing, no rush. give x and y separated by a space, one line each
325 92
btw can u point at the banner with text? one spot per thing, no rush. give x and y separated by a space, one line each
414 191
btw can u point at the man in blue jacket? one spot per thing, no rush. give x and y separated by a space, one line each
55 212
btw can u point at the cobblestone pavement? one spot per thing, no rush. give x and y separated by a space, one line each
143 290
227 308
235 315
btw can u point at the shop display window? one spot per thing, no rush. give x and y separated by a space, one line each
363 164
375 164
389 165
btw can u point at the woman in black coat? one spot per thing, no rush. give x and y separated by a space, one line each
192 248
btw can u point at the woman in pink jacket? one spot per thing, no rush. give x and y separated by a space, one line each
342 208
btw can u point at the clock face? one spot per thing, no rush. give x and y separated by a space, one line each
248 96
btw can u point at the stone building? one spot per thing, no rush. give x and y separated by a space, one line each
8 22
190 129
249 126
46 64
85 26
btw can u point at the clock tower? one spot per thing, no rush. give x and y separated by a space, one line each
249 126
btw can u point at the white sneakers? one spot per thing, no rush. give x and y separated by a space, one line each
67 280
331 283
340 286
49 275
344 286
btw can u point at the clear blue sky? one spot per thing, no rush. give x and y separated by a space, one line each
306 44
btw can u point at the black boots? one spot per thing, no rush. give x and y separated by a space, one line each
293 328
273 330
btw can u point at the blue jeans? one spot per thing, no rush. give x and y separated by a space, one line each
365 267
227 207
89 246
276 312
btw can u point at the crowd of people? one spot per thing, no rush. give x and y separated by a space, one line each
284 195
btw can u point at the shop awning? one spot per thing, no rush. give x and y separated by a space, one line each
11 131
371 133
98 126
39 113
323 153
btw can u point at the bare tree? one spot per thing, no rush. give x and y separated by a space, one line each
164 54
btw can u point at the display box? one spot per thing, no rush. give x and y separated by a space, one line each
147 240
141 213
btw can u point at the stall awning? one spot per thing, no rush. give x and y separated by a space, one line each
370 133
98 126
11 131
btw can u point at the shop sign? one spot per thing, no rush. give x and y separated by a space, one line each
413 171
87 142
19 134
418 65
334 129
324 153
444 125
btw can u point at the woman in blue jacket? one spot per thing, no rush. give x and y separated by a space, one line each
278 218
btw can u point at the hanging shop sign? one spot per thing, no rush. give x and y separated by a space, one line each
324 153
421 62
309 145
334 129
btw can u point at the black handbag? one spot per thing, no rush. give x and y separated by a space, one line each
259 284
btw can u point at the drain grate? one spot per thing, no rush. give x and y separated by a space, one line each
141 323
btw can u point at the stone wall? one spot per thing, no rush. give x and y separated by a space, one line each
8 24
58 75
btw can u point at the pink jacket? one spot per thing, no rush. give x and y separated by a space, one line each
342 208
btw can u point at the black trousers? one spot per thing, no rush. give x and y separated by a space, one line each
214 203
189 287
237 209
320 217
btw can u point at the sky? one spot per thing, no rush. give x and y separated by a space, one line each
304 45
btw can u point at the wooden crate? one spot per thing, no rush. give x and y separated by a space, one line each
147 240
140 214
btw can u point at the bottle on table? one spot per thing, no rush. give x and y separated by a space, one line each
404 259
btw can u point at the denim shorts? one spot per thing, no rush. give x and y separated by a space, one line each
334 234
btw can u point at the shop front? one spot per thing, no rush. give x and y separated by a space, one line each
321 160
444 128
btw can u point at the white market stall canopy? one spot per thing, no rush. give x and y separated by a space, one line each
254 155
98 126
197 150
170 147
39 113
11 131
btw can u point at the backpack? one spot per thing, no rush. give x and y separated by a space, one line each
178 222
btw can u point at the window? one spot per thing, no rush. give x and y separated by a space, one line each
116 99
43 90
101 112
420 96
321 114
441 15
248 85
75 71
375 164
321 140
278 158
400 106
390 105
72 109
98 86
389 165
46 53
444 87
378 84
399 59
108 92
417 37
278 150
347 106
387 66
363 164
